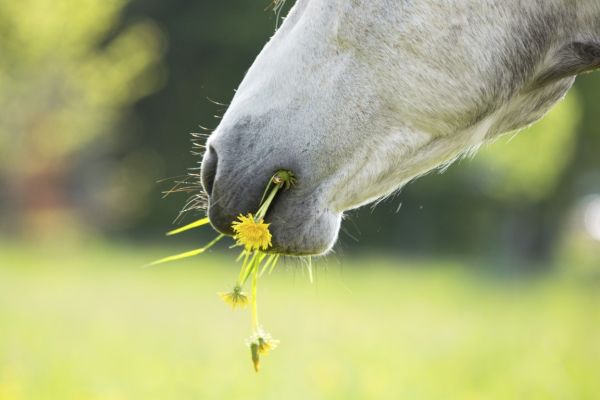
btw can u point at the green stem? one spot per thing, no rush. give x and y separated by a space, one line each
214 241
262 211
249 268
254 304
243 269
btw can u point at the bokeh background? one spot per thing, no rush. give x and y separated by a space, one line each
479 282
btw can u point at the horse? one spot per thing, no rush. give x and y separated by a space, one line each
359 97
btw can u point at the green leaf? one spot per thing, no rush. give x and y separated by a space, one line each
196 224
187 254
181 256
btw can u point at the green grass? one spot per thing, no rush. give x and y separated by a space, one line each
91 324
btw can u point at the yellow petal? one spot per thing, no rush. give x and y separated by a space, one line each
254 235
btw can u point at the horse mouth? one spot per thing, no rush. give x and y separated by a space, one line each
299 227
299 219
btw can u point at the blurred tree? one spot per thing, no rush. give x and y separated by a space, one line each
523 173
66 78
527 166
211 45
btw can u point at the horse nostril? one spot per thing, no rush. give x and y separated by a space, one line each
209 169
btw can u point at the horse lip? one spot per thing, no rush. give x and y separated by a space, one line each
311 234
220 220
301 223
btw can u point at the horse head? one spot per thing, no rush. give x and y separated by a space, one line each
359 97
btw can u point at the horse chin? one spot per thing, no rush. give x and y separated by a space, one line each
312 235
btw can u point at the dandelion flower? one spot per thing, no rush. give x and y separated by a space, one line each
251 232
235 298
266 344
263 341
254 235
260 344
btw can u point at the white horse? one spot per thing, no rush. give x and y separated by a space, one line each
358 97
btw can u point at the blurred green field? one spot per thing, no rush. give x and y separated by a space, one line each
92 324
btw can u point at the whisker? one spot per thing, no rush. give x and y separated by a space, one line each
216 102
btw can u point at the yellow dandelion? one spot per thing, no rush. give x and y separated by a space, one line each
235 298
264 341
254 235
266 344
260 344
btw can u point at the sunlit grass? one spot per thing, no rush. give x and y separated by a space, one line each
94 324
